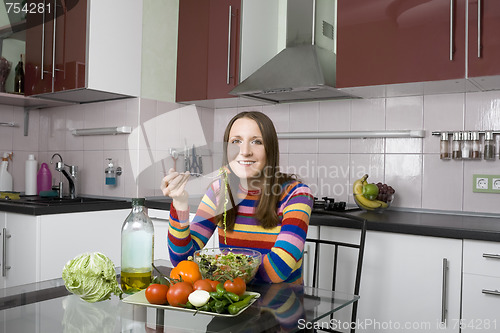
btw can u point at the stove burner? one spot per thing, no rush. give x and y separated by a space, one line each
329 204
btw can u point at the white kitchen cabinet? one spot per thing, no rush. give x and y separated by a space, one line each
481 287
347 263
64 236
308 259
402 280
19 234
160 223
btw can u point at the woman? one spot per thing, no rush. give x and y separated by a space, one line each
253 204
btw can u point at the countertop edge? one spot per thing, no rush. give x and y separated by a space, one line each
453 232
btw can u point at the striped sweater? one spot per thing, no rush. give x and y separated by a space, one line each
281 247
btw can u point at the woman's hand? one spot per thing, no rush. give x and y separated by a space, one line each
172 185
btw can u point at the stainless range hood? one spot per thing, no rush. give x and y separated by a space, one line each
306 68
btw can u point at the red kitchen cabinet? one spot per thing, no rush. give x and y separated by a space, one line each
207 49
484 42
93 54
387 41
56 47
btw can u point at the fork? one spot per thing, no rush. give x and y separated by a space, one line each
196 174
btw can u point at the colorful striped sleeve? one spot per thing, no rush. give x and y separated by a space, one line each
184 237
285 258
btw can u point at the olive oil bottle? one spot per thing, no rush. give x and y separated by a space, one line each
137 252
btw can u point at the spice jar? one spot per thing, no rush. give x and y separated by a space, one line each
489 146
456 146
475 145
466 145
444 151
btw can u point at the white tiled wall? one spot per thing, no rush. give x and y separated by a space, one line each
411 166
50 132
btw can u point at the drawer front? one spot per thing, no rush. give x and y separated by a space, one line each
480 304
482 258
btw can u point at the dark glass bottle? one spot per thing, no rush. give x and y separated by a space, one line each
19 78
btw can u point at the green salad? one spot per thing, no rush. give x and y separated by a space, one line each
221 267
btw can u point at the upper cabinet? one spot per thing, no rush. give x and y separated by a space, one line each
386 41
484 42
207 49
84 50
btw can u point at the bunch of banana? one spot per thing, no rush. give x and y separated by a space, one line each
358 189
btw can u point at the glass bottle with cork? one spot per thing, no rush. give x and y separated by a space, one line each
475 145
489 146
466 145
137 249
457 146
444 151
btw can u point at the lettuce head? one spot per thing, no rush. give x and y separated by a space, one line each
91 276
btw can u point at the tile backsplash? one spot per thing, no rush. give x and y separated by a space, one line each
411 165
329 166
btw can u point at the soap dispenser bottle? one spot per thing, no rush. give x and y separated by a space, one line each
5 176
110 173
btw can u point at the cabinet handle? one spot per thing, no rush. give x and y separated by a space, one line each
43 38
158 219
479 28
491 292
451 30
491 256
54 44
444 310
4 252
229 43
306 270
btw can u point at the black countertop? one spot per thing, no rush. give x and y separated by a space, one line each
35 205
427 223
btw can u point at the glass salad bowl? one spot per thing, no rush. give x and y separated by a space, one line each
221 264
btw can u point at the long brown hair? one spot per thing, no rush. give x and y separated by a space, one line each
273 178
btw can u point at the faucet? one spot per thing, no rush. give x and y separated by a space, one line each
60 166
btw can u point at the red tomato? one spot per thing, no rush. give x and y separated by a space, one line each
177 294
214 284
203 285
237 286
187 270
157 293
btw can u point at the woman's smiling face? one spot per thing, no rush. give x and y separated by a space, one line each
245 151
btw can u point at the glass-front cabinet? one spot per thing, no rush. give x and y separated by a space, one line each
55 46
12 42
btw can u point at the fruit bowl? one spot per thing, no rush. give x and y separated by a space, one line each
221 264
372 197
371 208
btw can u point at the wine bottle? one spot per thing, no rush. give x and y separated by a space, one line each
19 78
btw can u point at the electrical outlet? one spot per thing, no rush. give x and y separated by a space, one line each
495 184
486 183
480 183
